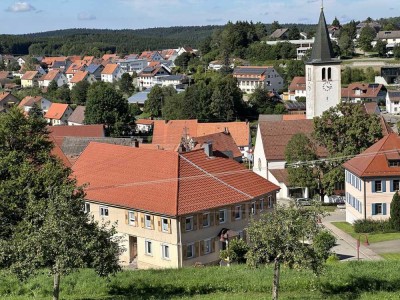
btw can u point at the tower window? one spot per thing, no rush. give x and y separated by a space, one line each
329 74
323 74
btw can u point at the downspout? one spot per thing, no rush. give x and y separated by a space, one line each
267 169
365 200
180 261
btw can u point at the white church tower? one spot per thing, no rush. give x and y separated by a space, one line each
323 82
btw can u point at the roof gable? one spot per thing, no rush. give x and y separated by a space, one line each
56 111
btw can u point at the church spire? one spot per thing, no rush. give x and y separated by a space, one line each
322 49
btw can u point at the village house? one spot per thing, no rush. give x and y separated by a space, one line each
77 117
144 125
251 77
109 58
30 79
95 70
74 68
372 178
165 224
55 75
297 88
111 73
393 102
80 76
58 114
151 56
361 92
7 100
27 103
132 65
51 61
151 76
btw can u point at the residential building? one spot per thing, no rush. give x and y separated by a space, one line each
132 65
55 75
174 80
151 56
251 77
7 100
109 58
58 114
281 34
77 66
95 70
111 73
77 117
151 76
80 76
27 103
393 102
30 79
372 178
297 88
323 74
185 49
361 92
144 125
165 224
389 75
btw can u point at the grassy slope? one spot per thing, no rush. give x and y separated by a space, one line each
372 237
352 280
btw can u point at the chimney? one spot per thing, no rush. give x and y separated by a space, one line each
226 130
208 149
135 143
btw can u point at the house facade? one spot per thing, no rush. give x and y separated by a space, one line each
58 114
30 79
111 73
7 100
372 178
297 88
55 75
151 76
393 102
166 225
361 92
27 103
251 77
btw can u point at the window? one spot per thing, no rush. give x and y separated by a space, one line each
270 201
86 207
131 218
396 185
148 247
238 212
261 204
164 225
165 251
396 102
147 221
206 220
190 251
378 186
394 163
207 246
309 74
103 211
189 223
323 74
253 208
378 209
329 73
222 216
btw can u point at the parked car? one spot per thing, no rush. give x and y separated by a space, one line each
303 201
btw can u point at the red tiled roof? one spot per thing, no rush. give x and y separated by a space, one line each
298 83
109 56
50 60
145 121
221 141
75 67
365 90
4 95
277 134
29 75
373 162
240 131
293 117
109 69
56 151
29 101
56 111
79 76
59 132
175 184
50 76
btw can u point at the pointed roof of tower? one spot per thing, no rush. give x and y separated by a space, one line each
322 50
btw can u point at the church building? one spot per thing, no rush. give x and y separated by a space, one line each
323 78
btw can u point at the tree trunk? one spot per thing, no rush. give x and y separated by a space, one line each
56 286
275 286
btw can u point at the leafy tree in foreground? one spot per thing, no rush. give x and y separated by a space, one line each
380 47
79 92
125 84
367 35
395 212
278 238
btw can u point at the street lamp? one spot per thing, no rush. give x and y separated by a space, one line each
366 243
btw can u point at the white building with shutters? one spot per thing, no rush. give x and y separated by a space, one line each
372 178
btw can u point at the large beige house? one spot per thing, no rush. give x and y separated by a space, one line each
171 208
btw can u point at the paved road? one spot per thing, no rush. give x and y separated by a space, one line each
386 247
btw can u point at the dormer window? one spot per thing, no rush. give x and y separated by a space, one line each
394 163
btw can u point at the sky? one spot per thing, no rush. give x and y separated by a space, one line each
28 16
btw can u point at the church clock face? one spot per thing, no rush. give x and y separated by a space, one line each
327 86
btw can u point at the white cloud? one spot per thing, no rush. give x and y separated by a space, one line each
85 16
20 7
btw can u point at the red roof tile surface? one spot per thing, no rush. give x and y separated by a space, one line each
50 76
29 101
59 132
165 182
29 75
374 161
56 111
79 76
361 90
298 84
109 69
221 141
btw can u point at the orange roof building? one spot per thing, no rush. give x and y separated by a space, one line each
58 114
372 178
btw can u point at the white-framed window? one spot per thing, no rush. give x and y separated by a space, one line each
147 221
207 246
238 212
165 251
206 220
189 223
269 201
222 216
103 211
86 207
164 225
148 249
131 218
253 208
261 204
190 250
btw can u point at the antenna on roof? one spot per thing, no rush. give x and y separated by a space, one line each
322 4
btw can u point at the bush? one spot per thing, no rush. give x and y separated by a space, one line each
323 242
333 258
370 226
237 251
395 212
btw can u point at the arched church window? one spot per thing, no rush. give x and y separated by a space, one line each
329 74
323 74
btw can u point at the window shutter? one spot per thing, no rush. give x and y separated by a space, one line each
159 223
200 219
183 224
383 186
152 222
391 186
232 213
196 249
373 186
211 219
384 209
169 226
126 218
201 248
136 218
217 217
213 241
244 236
142 220
194 222
373 210
184 252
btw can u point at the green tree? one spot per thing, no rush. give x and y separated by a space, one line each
184 59
294 33
64 94
261 102
237 251
370 75
367 35
395 212
275 25
125 84
380 47
53 86
79 92
105 105
346 44
294 68
335 22
396 51
277 238
153 105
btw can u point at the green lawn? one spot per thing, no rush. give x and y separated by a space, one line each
391 256
345 280
372 237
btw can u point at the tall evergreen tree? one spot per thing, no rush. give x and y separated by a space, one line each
395 212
